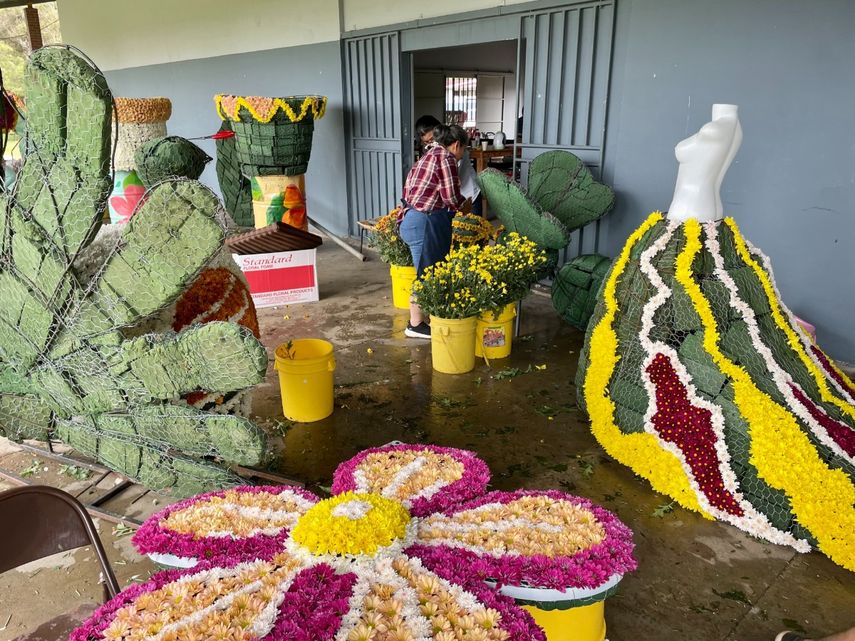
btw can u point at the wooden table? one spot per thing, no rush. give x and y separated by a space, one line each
482 158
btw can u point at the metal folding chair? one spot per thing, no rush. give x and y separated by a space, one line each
40 521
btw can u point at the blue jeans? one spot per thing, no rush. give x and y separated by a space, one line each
428 236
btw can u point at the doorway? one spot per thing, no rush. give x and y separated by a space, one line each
474 86
560 61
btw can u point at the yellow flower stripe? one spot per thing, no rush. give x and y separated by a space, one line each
780 320
317 105
821 498
641 451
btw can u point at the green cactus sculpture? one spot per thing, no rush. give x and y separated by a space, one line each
71 366
561 184
574 291
520 214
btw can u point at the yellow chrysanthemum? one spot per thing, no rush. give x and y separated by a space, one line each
351 523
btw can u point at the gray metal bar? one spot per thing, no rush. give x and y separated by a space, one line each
338 241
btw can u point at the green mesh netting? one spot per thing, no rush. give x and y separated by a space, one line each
561 184
519 214
574 290
169 157
75 363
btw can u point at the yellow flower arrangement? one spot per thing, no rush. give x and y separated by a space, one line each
821 498
351 523
472 228
385 239
473 279
780 320
640 451
264 109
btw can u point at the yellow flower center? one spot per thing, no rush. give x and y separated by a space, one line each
351 523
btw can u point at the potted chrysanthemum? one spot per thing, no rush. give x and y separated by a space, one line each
514 263
454 291
384 237
468 229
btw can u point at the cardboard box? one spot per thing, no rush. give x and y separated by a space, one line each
281 278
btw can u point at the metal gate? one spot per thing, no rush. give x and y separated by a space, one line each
374 131
566 56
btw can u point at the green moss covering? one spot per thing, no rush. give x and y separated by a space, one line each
169 157
561 184
67 368
520 214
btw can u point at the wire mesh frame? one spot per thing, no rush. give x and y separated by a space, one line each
89 355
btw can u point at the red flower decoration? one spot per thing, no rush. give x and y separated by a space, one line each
690 428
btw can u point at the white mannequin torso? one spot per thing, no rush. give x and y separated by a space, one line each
704 159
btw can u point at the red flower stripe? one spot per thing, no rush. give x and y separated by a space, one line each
690 428
844 382
842 434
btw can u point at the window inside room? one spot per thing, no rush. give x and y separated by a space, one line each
461 98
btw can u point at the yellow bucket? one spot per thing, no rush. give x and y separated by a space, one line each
402 285
586 623
452 344
306 379
494 334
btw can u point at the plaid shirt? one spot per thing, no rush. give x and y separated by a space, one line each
433 182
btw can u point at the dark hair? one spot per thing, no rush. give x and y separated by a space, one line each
425 124
447 135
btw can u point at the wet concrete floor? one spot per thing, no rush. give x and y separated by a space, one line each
697 579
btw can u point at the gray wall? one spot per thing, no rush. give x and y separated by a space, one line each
787 64
309 69
789 67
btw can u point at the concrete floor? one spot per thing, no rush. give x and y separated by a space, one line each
697 579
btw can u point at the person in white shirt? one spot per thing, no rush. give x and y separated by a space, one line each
469 182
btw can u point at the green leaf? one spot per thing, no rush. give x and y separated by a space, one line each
662 510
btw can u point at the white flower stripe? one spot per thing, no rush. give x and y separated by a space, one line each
492 526
353 510
263 623
403 475
752 520
466 600
782 379
800 332
381 572
288 519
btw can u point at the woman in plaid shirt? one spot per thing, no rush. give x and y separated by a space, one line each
431 197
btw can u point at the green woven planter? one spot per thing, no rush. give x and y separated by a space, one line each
235 187
275 148
273 136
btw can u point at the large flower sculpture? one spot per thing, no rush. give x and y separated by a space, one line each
403 550
697 376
